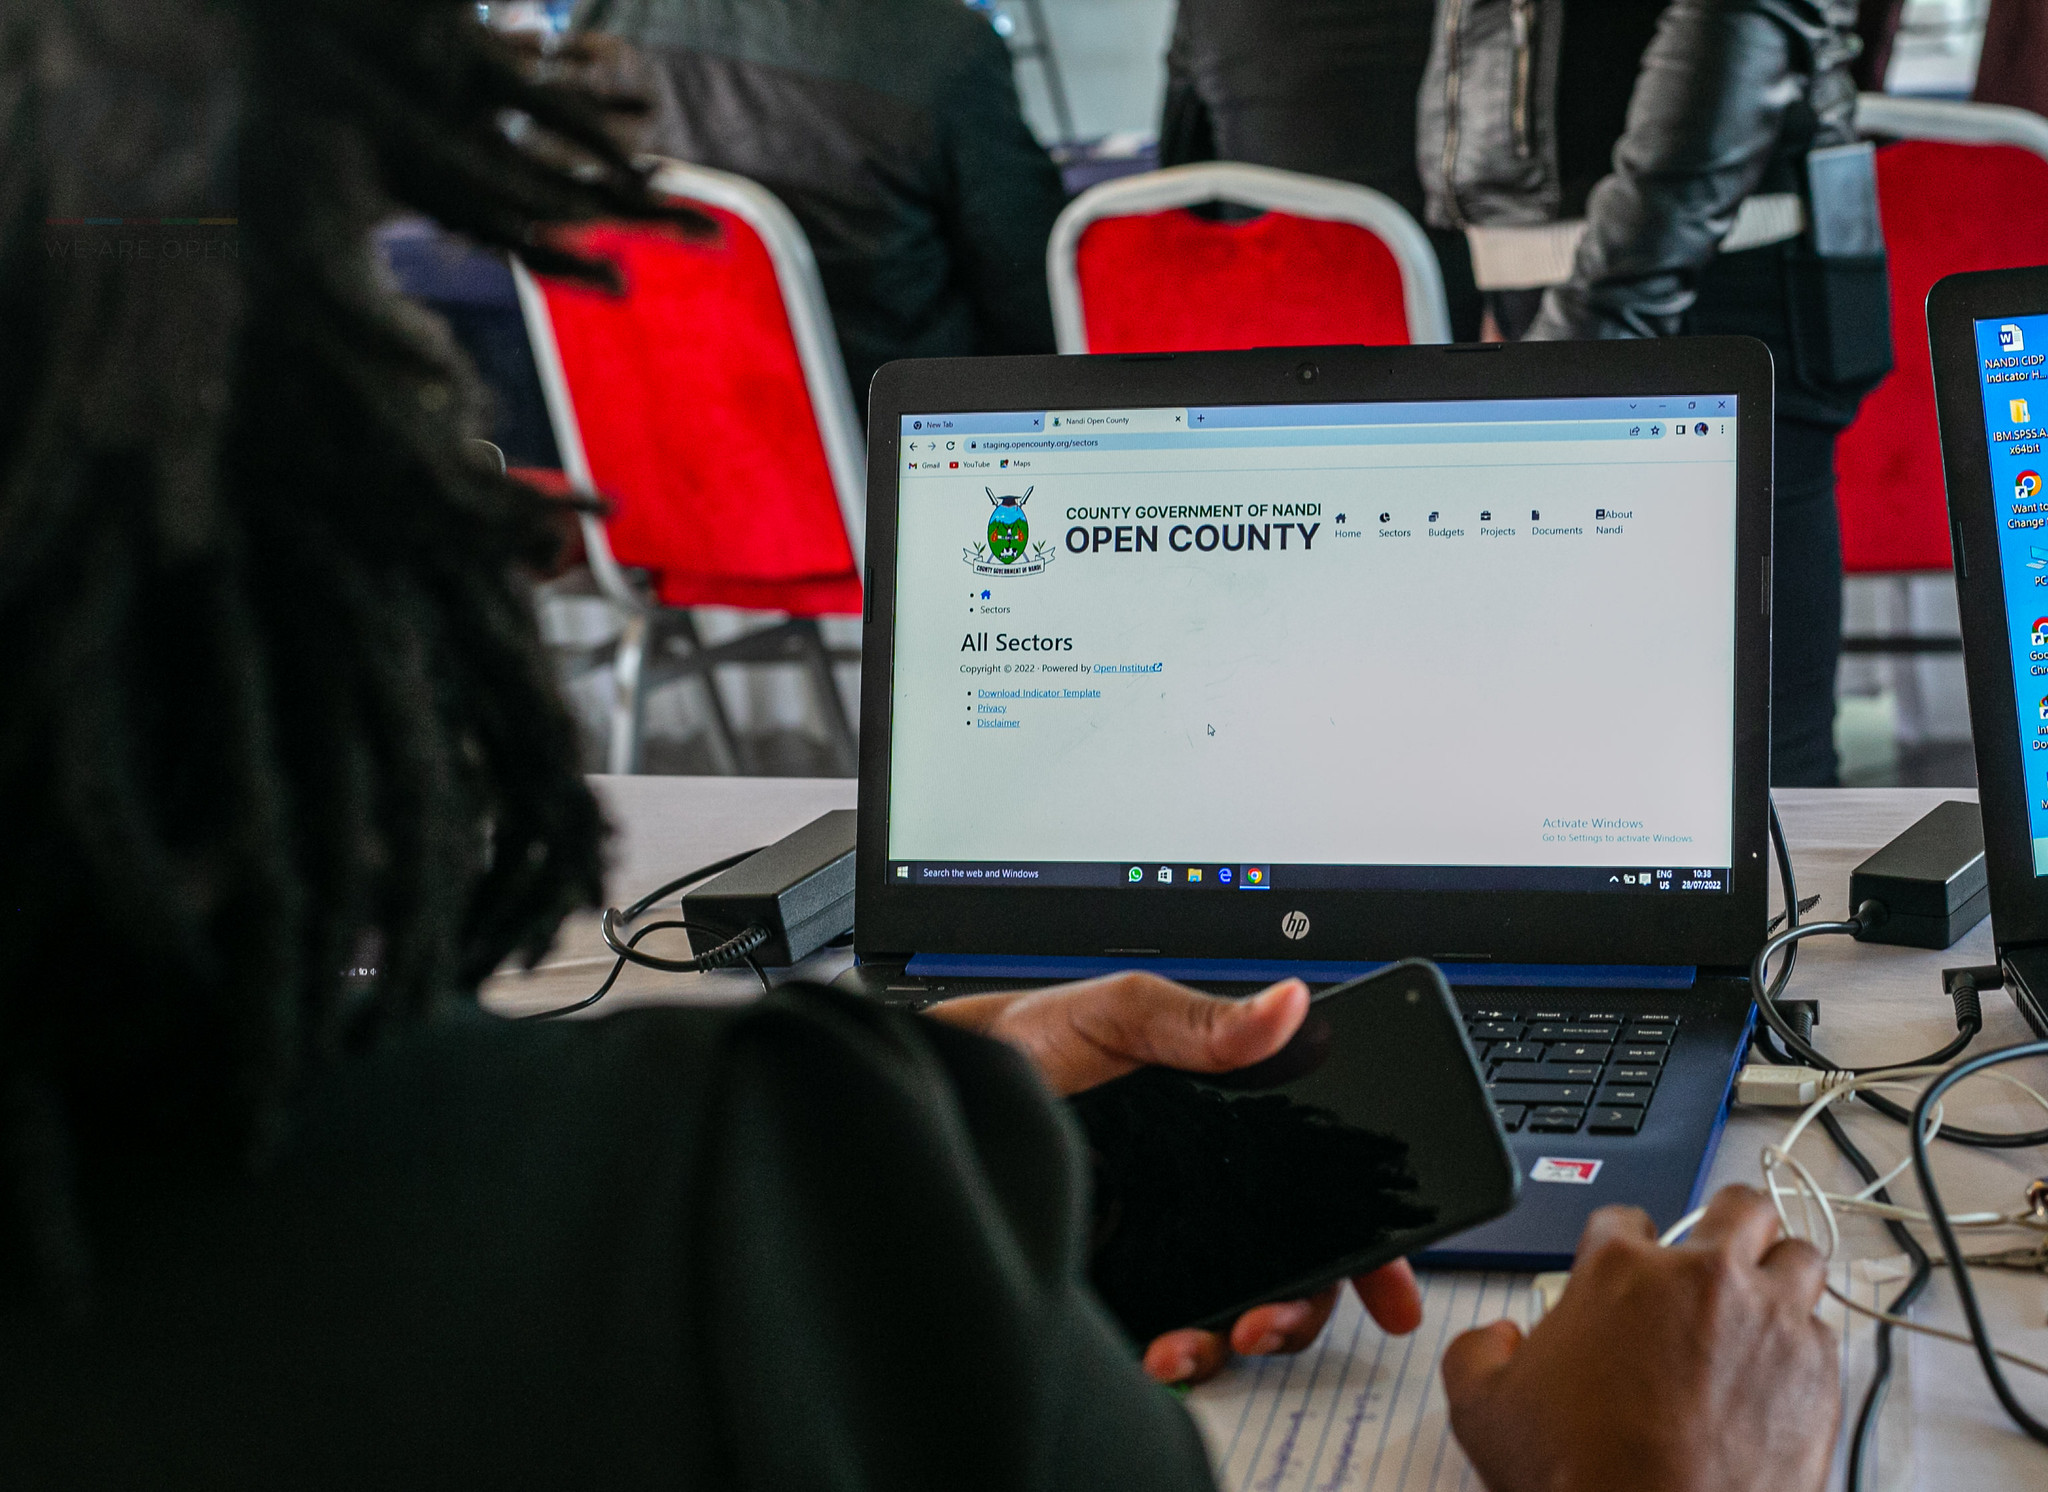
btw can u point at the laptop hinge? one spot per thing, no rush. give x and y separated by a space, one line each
1265 971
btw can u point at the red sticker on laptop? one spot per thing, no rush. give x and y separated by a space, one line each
1573 1172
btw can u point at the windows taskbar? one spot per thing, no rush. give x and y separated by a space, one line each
1196 876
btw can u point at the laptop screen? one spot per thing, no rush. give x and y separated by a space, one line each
1469 645
2010 356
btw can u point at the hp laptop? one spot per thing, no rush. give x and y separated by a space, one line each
1990 341
1240 665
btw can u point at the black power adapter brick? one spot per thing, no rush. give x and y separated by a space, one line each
1930 880
799 890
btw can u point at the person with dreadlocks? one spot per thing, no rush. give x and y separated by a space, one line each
273 696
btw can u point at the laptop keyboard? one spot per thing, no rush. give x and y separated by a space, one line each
1560 1071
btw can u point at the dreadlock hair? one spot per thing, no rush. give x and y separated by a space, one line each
269 676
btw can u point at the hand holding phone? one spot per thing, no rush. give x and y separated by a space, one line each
1084 1034
1367 1136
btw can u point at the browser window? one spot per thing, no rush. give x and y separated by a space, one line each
1459 645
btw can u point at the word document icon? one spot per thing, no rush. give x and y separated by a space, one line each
2011 339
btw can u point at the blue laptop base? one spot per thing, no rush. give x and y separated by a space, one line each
1662 1168
1268 971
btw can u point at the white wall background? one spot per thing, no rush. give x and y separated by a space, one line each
1112 55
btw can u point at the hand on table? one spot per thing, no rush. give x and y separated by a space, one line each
1079 1035
1696 1367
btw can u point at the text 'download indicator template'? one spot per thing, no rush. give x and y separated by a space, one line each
1488 645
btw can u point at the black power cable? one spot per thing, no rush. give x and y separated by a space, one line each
1963 988
1864 1435
737 948
1923 1169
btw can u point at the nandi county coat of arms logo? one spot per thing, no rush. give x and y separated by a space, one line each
1009 550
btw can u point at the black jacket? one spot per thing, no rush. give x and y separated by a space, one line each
1325 87
807 1243
1730 95
1321 86
891 129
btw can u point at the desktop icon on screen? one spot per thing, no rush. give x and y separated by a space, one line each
1166 871
1223 875
1137 872
2019 411
2011 339
1255 875
2044 707
1194 874
2026 486
2041 631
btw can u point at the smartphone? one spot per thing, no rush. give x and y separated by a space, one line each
1368 1136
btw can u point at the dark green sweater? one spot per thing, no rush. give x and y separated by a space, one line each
803 1244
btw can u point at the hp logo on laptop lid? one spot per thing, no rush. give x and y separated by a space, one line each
1295 925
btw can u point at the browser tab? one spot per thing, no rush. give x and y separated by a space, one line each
972 424
1117 421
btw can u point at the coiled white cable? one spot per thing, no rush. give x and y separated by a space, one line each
1813 1198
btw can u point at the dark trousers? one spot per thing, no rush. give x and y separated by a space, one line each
1742 294
1806 607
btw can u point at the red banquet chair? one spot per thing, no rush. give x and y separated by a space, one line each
706 410
1960 187
1131 269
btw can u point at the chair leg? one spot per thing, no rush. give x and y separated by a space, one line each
725 750
818 663
629 696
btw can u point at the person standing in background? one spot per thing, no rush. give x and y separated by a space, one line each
2013 67
1325 87
1638 168
1877 26
891 129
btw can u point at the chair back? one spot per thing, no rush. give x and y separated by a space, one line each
707 406
1131 269
1962 187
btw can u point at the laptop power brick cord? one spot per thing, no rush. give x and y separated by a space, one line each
1786 1046
1782 1081
776 905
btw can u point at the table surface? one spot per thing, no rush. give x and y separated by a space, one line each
1877 1004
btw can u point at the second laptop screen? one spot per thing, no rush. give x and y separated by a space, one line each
1432 646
